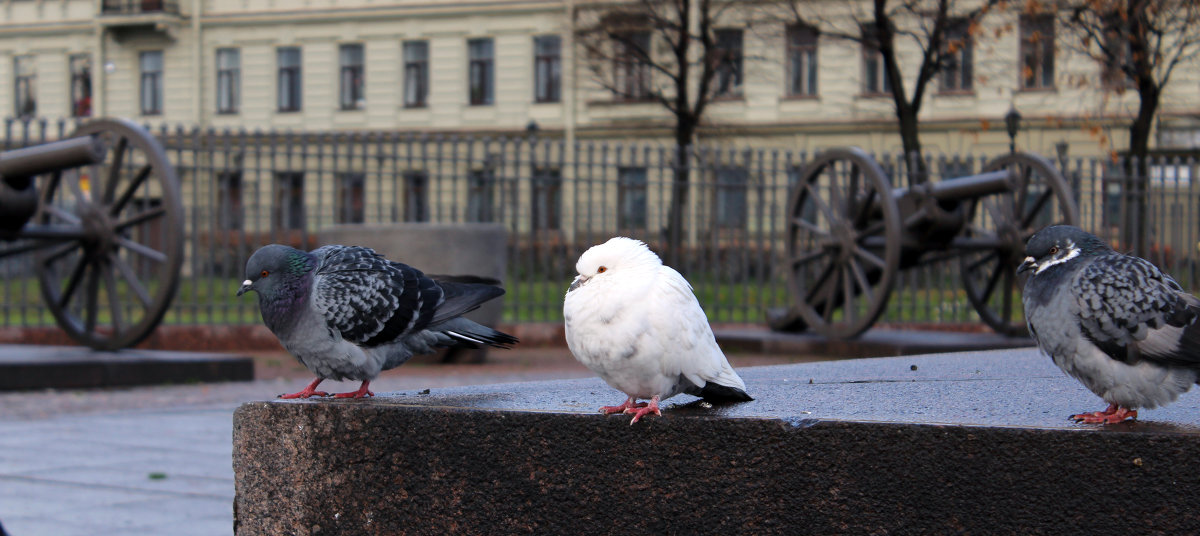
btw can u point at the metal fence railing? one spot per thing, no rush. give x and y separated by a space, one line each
245 189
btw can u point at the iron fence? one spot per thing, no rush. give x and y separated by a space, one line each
244 189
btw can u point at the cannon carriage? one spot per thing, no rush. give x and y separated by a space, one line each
100 214
850 232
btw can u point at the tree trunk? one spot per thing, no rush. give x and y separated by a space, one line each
914 162
684 133
1136 234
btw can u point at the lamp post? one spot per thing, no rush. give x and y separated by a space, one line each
1012 124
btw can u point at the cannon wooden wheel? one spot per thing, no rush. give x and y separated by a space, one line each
1039 196
109 280
843 244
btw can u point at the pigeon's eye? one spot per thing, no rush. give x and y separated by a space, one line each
1054 250
264 273
601 269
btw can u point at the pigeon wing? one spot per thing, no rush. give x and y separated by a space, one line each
1131 310
682 331
370 300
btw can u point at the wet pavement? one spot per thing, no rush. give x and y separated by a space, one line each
157 460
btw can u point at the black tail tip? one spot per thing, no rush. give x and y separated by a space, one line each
713 392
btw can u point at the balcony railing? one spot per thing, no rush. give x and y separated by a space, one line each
138 7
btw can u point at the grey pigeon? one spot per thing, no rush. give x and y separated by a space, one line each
348 313
636 323
1114 322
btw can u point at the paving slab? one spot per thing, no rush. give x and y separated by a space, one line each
954 443
29 367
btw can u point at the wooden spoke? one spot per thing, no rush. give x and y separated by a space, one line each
92 299
131 279
62 214
72 281
870 257
114 172
130 190
145 251
114 298
1038 203
140 218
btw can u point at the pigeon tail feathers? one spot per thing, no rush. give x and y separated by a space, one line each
462 298
469 334
715 392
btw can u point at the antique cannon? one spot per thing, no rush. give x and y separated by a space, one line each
105 226
850 232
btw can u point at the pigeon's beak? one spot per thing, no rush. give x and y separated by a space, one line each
578 282
1029 264
245 287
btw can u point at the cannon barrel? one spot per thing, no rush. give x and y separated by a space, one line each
971 187
23 163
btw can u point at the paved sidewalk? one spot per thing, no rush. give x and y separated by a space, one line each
151 460
158 460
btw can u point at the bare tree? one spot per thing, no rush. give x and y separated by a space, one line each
666 52
1138 44
942 30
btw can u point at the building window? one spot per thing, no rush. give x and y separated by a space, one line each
229 74
481 196
351 198
289 90
230 213
350 57
632 66
151 63
289 200
802 61
480 52
547 74
416 73
81 85
631 197
25 84
874 78
416 196
730 205
1118 56
1037 51
729 63
547 198
959 73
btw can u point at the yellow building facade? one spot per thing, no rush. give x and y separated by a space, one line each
228 63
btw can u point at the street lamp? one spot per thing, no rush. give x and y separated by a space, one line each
1012 123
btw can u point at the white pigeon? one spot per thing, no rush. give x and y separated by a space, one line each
636 323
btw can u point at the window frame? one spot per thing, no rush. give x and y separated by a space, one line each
481 71
416 74
292 215
228 80
25 85
289 80
632 77
150 83
352 81
351 197
730 63
547 68
81 84
633 207
1035 56
802 56
959 78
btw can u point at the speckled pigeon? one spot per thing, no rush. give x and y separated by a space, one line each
1114 322
348 313
636 323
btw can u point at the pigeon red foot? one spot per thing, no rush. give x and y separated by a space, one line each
609 410
307 391
642 410
360 393
1111 415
